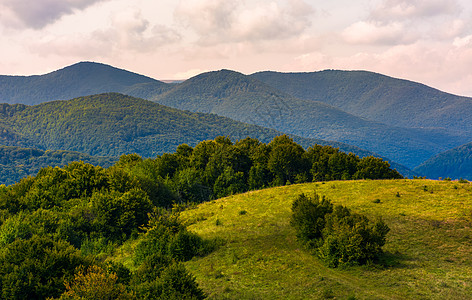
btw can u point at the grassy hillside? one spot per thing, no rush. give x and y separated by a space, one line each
239 97
428 251
17 162
378 97
81 79
455 163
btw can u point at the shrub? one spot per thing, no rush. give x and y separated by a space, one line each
338 236
308 216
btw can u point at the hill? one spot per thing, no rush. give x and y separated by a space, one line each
455 163
378 97
17 162
239 97
427 254
81 79
114 124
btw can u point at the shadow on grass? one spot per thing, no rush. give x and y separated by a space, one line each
389 260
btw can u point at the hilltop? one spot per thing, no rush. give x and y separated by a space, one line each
427 251
81 79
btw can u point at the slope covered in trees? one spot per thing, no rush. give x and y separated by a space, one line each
17 162
455 163
81 79
114 124
245 99
378 97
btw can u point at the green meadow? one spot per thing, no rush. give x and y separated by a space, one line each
428 254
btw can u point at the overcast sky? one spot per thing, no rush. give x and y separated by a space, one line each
428 41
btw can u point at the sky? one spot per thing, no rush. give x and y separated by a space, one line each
428 41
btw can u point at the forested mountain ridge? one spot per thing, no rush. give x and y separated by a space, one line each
378 97
285 105
17 163
455 163
114 124
81 79
234 95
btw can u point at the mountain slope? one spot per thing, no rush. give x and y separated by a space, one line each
378 97
242 98
81 79
429 243
455 163
17 162
114 124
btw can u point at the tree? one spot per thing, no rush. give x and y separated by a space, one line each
36 268
95 283
286 159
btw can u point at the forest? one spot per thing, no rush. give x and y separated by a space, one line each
60 228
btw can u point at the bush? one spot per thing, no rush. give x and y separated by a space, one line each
338 236
308 216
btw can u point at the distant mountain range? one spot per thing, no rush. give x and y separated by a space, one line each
406 122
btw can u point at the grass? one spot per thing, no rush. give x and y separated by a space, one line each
428 254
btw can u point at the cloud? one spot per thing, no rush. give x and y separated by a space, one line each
390 10
226 21
39 13
128 31
374 33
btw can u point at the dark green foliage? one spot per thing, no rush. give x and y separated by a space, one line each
17 162
374 168
174 283
338 236
36 268
166 236
308 216
351 238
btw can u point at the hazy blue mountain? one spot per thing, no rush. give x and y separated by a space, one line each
455 163
243 98
81 79
379 98
17 162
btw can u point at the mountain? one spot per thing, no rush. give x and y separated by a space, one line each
81 79
284 105
17 162
378 97
455 163
114 124
243 98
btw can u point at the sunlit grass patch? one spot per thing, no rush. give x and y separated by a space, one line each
428 250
